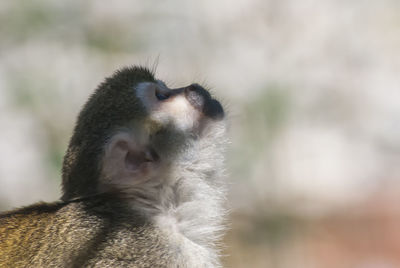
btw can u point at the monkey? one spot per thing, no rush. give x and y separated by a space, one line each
142 183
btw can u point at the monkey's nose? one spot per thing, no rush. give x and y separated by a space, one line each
201 100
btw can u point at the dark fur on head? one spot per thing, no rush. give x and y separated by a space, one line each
111 106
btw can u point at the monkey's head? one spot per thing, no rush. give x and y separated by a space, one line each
134 130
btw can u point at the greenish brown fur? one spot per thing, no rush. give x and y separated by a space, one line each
82 233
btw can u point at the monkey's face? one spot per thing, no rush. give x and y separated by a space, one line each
187 109
149 147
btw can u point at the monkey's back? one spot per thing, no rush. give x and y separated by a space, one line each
96 232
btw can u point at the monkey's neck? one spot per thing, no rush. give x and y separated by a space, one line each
188 205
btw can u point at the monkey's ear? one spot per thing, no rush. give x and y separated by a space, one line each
125 161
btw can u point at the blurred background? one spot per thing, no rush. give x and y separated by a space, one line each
313 93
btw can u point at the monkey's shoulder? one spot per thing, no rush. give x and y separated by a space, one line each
90 231
29 214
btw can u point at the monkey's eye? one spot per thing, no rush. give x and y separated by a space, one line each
161 96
